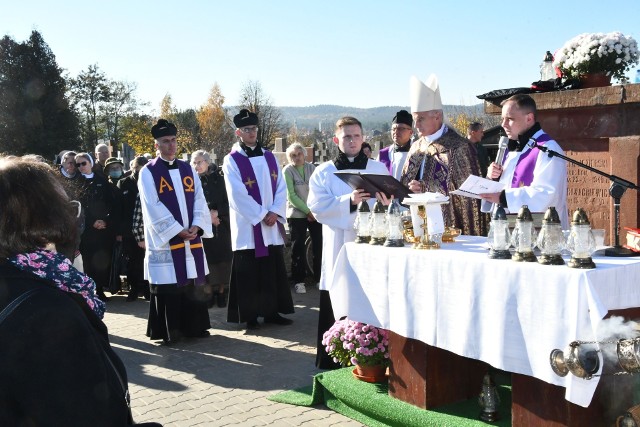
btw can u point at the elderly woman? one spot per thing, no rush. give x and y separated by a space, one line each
102 221
217 248
299 217
55 345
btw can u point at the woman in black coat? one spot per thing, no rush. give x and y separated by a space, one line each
102 223
57 366
218 248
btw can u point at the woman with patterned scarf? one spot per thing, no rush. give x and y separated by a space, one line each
57 366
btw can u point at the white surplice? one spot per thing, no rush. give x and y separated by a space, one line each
160 226
548 188
244 212
330 200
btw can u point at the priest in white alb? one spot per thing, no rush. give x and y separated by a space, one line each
334 204
257 211
175 216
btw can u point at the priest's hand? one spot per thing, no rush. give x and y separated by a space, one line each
270 219
188 234
494 171
491 197
416 186
358 196
383 198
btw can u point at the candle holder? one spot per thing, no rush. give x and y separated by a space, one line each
361 224
378 224
425 241
395 227
581 242
524 236
499 237
489 400
551 240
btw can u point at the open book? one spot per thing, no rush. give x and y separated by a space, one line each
473 186
374 183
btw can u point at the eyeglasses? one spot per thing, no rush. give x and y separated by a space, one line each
80 164
250 129
399 128
198 162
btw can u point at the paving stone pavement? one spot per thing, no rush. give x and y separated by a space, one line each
224 379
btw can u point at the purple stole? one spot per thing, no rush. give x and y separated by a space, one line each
386 158
523 173
251 183
167 196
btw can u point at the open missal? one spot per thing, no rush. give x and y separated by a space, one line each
473 186
374 183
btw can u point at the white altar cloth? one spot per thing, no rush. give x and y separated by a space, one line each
508 314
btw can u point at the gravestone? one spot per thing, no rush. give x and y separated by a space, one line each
599 127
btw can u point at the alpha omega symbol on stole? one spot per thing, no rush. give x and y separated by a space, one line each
188 184
164 184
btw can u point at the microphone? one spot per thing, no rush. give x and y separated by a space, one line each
502 149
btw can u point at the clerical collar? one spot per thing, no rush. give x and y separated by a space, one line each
171 164
252 151
403 149
342 161
524 138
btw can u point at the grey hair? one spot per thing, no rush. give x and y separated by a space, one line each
293 147
201 153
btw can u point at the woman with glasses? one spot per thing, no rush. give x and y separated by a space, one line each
217 248
96 245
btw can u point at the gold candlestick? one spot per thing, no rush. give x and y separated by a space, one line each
425 242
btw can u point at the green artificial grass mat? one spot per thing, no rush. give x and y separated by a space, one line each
371 404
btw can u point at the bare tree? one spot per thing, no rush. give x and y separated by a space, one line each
253 98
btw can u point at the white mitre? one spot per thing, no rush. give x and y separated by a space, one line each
425 97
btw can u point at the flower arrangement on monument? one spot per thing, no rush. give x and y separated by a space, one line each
612 54
355 343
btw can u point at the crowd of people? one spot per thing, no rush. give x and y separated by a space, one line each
196 235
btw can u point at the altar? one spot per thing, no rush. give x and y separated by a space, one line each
507 314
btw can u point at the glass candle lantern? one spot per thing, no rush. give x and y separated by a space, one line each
551 239
395 238
499 238
361 224
524 236
581 242
378 224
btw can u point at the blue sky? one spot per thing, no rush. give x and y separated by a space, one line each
351 53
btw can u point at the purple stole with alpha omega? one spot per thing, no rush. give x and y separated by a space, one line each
251 183
523 173
167 196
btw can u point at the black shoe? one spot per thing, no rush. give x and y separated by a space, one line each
132 297
278 320
222 299
252 325
103 297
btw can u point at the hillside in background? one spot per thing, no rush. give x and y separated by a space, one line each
372 118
